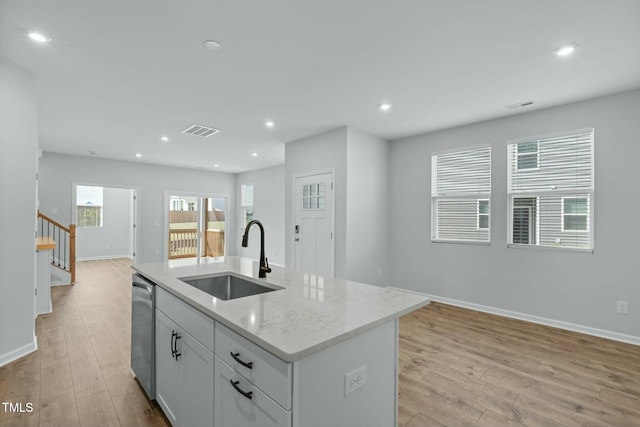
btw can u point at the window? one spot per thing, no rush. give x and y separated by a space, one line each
246 204
551 194
313 196
460 195
528 155
483 214
89 206
575 213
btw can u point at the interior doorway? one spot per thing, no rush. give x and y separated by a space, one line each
314 213
106 219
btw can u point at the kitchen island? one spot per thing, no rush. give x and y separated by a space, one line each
316 351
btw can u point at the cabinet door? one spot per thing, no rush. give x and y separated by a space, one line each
197 382
232 409
168 375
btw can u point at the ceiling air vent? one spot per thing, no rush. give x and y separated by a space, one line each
200 130
519 105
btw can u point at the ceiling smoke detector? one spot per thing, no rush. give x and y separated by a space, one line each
519 105
200 130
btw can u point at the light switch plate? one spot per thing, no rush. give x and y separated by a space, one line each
355 379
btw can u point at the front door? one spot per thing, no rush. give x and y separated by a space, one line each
313 233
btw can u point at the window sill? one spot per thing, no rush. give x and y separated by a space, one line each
549 248
463 242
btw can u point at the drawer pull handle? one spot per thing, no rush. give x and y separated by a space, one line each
173 349
177 338
247 394
242 362
174 344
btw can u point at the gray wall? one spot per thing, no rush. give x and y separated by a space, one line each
579 288
59 171
361 183
268 207
113 239
18 164
327 150
367 208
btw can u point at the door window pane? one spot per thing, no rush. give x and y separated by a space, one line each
313 196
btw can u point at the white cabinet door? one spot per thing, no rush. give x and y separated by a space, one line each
197 382
168 376
251 409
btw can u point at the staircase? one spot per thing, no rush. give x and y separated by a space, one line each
64 254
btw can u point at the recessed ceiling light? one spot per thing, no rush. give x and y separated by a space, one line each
164 138
385 106
215 165
269 123
566 50
212 45
138 155
38 37
254 154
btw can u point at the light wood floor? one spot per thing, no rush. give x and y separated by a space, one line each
80 375
457 367
461 367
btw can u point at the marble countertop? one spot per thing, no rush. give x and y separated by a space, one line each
309 314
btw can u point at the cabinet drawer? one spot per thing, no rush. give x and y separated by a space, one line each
187 317
270 374
233 409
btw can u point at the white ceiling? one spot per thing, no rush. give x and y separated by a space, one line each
118 74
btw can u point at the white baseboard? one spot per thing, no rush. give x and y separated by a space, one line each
19 352
602 333
103 257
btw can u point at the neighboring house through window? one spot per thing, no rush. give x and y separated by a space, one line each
460 195
550 190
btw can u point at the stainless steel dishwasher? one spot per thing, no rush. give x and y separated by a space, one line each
143 333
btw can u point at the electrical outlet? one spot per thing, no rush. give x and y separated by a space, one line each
623 307
355 379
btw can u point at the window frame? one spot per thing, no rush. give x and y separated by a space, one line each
246 207
564 214
312 196
536 153
487 214
469 195
99 207
572 193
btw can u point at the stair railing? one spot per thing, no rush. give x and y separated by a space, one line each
64 254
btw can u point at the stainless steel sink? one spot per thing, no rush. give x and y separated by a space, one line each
227 286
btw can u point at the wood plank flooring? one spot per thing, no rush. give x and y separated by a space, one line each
458 367
80 375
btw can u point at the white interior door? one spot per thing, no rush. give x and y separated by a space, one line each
313 234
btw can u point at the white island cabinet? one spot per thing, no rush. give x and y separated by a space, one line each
316 352
184 365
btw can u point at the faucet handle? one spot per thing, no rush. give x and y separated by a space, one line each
266 265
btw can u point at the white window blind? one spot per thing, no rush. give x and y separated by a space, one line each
460 195
551 195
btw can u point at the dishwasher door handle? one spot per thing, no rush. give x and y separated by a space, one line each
142 288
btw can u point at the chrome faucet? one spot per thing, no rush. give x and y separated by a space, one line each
264 262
